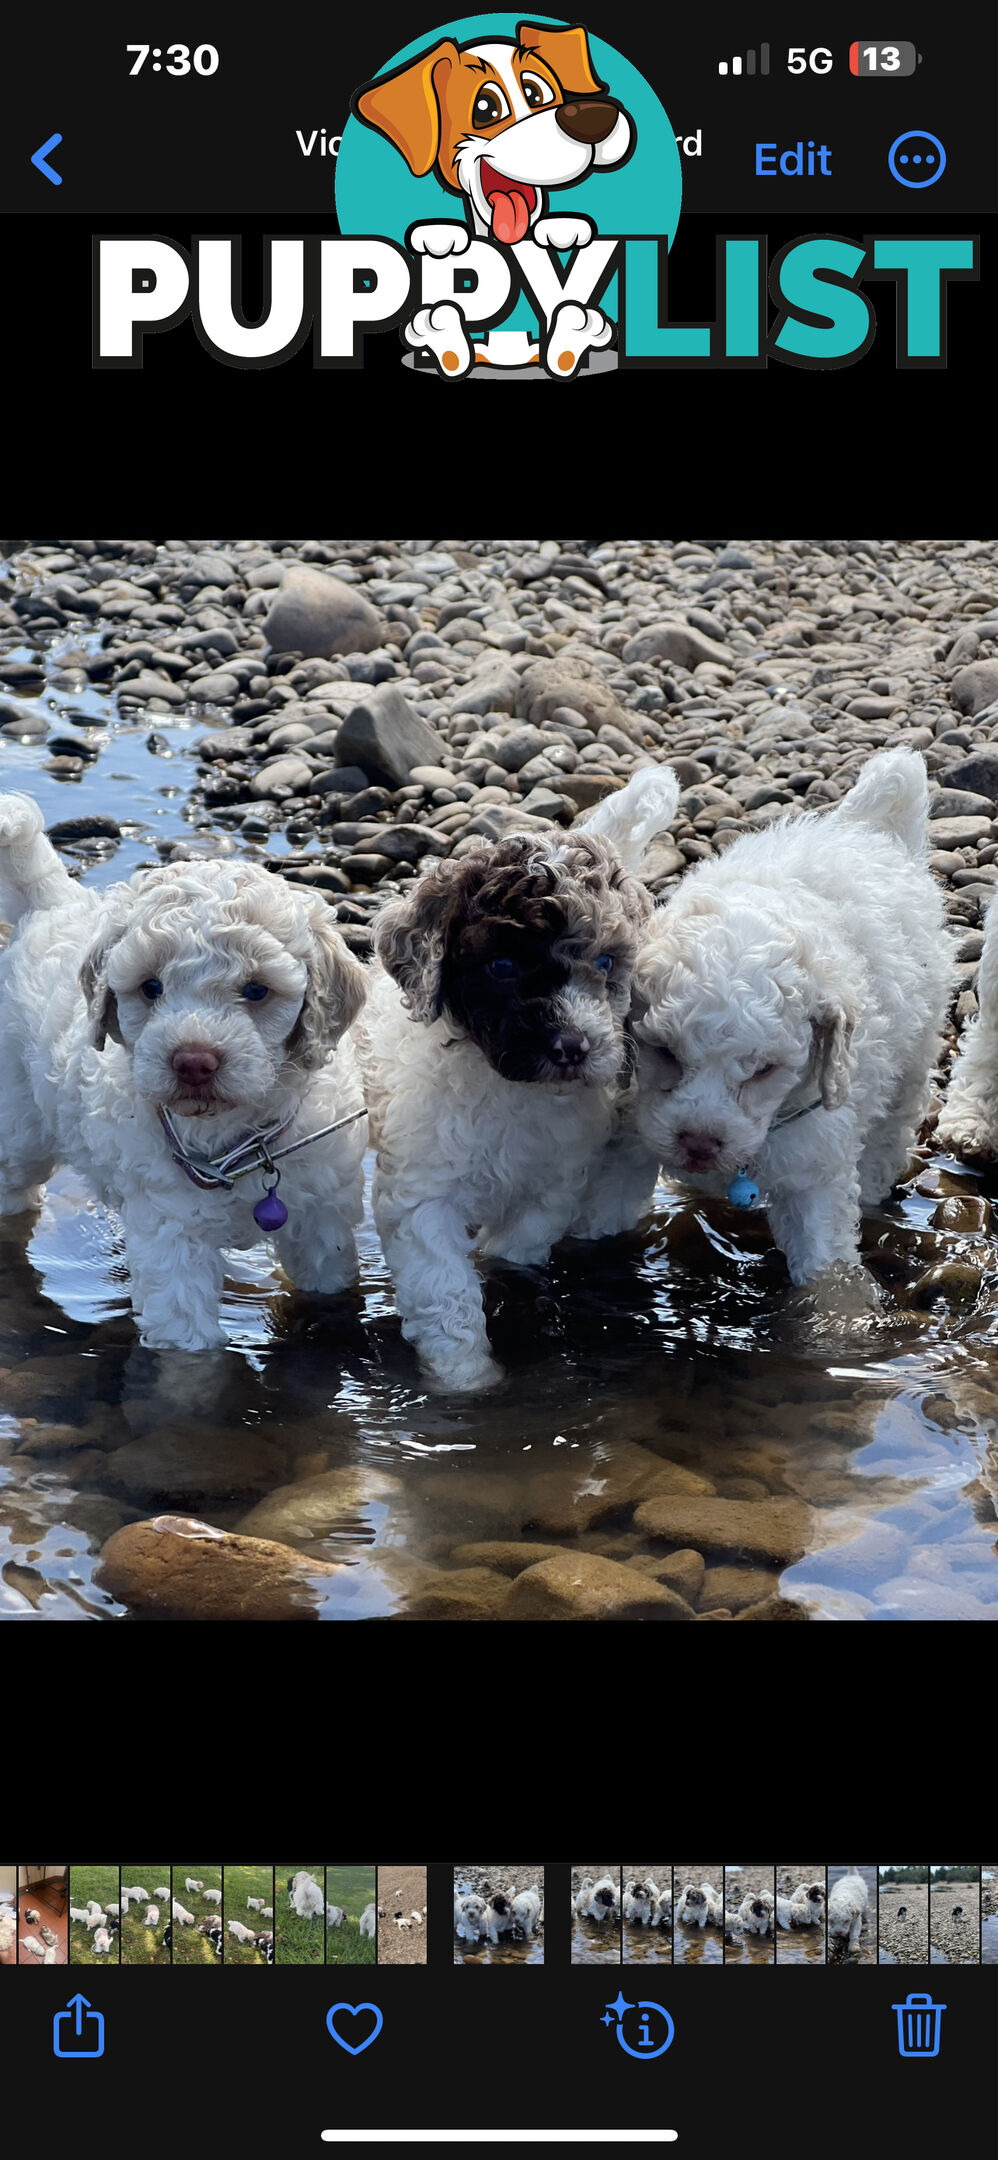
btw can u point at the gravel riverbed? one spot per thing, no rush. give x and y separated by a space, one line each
339 710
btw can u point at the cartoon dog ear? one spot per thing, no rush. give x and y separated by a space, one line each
566 53
410 936
335 990
102 1004
406 106
833 1062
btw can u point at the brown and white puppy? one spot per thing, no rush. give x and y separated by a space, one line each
756 1913
501 121
493 1052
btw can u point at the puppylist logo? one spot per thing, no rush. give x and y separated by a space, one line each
507 193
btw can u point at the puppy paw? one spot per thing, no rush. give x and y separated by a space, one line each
471 1377
574 331
440 331
439 240
564 232
967 1134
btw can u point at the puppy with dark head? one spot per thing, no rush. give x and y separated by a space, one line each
494 1054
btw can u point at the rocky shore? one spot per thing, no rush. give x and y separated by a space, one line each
364 704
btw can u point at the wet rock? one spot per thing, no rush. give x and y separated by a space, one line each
733 1588
217 688
188 1464
504 1554
777 1530
581 1586
178 1568
955 1280
575 1497
471 1593
386 737
318 1507
771 1608
670 1477
18 719
682 1572
319 615
972 1212
93 827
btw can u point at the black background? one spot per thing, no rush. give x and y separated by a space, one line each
805 2060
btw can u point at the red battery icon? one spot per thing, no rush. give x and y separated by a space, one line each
868 57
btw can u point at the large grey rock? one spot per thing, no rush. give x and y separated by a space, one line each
975 687
387 738
549 685
978 771
317 615
678 642
517 748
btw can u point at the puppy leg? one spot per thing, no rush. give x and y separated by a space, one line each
525 1236
969 1123
177 1282
25 1160
889 1142
619 1189
428 1249
318 1248
817 1227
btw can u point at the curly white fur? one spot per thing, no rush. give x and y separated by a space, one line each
969 1121
306 1897
756 1912
641 1902
847 1905
88 1057
597 1900
808 964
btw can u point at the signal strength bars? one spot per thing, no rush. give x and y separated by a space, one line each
736 66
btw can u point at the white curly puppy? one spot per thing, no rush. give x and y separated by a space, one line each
526 1908
493 1052
306 1896
469 1915
211 996
788 1002
756 1913
367 1920
640 1902
968 1124
597 1900
847 1903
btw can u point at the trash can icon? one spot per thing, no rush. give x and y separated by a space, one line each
919 2020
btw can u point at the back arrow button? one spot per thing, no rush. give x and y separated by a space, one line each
40 156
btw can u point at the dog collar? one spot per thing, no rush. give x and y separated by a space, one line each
743 1192
255 1152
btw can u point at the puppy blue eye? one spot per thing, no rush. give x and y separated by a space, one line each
604 965
501 969
151 989
254 992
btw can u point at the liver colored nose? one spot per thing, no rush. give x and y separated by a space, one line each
699 1147
570 1047
591 121
195 1067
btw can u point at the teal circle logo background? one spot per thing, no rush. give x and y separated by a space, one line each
376 193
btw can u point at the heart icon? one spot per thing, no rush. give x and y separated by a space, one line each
353 2010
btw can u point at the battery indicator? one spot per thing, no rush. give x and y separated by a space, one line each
870 57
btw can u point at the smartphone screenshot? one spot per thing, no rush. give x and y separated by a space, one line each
499 1059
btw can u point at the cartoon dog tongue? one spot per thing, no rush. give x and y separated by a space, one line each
510 216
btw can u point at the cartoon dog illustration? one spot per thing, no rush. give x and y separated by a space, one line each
501 121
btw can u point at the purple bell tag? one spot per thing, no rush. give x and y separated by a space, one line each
270 1212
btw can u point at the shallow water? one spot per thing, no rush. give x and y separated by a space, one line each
865 1952
530 1951
801 1945
744 1948
684 1339
692 1945
989 1942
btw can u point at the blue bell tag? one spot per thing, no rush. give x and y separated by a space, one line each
742 1191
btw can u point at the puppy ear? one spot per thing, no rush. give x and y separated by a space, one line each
833 1062
101 1002
335 990
410 937
405 106
566 53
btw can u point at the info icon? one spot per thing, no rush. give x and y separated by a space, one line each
644 2029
